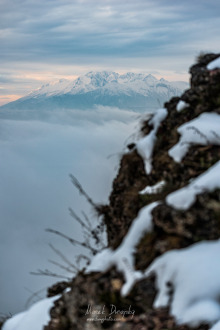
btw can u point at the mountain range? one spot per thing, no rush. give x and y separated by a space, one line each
135 91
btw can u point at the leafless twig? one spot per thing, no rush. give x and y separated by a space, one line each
196 130
49 273
78 219
77 184
34 295
61 255
72 241
215 134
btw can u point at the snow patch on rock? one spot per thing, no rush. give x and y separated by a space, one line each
145 146
214 64
155 189
194 275
181 105
122 257
35 318
203 130
184 198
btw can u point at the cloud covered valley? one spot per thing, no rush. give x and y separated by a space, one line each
37 157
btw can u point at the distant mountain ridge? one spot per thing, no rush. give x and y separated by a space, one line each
135 91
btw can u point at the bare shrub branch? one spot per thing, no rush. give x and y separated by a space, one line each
78 219
197 131
215 134
61 255
77 184
72 241
49 273
34 295
87 219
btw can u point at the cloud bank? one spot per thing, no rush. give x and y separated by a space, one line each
35 189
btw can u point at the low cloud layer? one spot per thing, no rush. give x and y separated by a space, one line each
35 191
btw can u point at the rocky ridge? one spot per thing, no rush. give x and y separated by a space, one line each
172 228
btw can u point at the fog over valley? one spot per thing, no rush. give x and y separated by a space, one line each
37 157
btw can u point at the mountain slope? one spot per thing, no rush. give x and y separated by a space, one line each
159 231
161 267
128 91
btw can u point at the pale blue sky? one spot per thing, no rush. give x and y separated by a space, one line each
45 40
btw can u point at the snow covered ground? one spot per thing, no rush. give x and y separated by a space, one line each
35 318
194 274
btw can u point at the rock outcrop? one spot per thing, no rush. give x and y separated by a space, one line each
93 300
173 229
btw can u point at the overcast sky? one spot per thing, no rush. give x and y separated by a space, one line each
45 40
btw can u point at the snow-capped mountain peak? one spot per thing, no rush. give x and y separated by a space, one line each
138 82
136 91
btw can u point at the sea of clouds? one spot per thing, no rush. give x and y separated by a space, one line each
36 158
